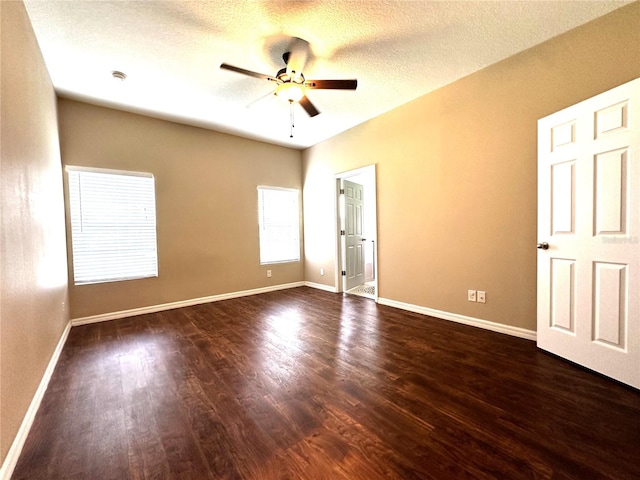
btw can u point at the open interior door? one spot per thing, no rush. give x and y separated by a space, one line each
353 231
589 233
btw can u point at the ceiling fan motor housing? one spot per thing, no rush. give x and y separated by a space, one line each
284 77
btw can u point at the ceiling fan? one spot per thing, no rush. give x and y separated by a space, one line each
291 83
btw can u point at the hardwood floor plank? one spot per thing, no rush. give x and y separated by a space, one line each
305 384
147 458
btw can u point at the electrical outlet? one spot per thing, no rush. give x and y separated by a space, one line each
482 296
269 273
322 271
471 295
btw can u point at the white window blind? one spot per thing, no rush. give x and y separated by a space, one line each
113 225
279 223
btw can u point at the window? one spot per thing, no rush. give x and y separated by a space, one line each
113 225
279 221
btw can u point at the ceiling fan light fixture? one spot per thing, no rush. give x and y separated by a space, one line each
291 91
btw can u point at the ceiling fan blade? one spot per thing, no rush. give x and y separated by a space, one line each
226 66
309 107
296 57
332 84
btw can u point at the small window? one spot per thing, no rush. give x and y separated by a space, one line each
279 222
113 225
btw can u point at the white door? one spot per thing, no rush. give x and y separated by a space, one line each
353 229
589 233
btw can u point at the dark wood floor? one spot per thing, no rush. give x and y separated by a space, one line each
304 384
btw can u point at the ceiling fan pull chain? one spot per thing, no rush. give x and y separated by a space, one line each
291 118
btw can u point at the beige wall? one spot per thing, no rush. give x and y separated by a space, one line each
206 201
33 289
457 173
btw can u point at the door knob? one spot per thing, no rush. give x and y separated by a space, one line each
543 246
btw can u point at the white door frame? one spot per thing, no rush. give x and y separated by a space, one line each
339 258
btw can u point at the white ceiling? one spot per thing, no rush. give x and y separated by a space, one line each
171 52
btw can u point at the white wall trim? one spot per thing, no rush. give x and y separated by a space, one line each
104 317
11 459
454 317
319 286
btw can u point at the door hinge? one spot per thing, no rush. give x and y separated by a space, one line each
343 233
344 273
342 191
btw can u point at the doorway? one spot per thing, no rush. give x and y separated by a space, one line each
356 233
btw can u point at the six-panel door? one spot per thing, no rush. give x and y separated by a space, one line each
589 214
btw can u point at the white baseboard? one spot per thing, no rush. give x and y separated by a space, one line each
104 317
10 461
454 317
319 286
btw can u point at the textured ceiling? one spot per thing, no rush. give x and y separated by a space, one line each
171 52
